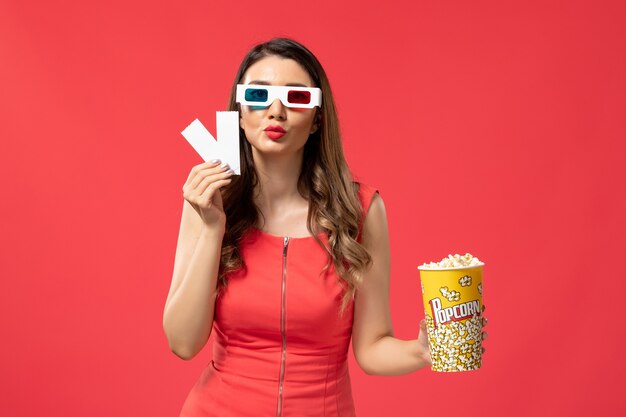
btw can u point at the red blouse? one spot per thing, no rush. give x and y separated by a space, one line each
280 347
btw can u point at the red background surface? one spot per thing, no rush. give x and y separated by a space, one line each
495 128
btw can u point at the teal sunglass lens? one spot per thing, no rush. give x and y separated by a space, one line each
256 94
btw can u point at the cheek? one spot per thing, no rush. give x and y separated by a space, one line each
249 119
305 117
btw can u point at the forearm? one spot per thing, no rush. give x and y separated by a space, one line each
390 356
188 318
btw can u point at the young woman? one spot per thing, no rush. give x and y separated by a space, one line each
287 262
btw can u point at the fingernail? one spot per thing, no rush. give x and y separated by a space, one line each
215 161
224 165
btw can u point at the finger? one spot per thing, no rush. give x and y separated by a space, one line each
210 179
484 335
205 172
484 321
423 332
200 168
201 181
193 174
213 188
483 307
484 350
424 327
196 168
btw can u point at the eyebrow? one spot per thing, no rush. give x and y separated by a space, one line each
288 85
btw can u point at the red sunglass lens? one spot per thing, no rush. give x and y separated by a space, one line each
299 97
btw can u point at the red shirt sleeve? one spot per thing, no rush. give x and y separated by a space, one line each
366 192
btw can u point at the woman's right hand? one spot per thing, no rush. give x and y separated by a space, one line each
202 191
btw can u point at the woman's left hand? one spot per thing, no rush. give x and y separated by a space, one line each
423 349
422 340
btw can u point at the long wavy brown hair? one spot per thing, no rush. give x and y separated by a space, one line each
325 180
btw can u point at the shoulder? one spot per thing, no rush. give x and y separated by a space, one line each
367 194
374 217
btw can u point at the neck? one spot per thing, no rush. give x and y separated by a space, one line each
278 181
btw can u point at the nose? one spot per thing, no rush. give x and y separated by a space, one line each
277 110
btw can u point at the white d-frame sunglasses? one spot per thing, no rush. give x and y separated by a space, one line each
263 96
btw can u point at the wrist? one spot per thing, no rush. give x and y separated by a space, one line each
214 231
422 354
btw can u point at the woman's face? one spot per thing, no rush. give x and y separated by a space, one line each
298 123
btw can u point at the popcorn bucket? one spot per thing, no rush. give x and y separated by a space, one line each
453 312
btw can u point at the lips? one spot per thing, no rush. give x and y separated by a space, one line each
275 128
274 135
274 132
